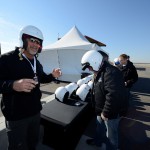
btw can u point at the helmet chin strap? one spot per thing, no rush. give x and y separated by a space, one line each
40 49
85 65
25 44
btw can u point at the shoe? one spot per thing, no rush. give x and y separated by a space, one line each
90 142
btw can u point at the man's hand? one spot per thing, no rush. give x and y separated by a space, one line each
24 85
103 117
56 73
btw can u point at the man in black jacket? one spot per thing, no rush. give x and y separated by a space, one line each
20 78
109 96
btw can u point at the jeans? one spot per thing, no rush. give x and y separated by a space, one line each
23 134
107 132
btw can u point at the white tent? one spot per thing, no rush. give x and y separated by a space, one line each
66 54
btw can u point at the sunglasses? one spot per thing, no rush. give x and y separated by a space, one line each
33 40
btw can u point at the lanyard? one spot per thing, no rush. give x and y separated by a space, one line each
33 66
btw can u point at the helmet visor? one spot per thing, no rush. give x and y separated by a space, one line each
85 65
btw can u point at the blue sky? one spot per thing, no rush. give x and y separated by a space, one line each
123 25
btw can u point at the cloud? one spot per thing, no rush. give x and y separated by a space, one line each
8 30
5 23
8 35
8 43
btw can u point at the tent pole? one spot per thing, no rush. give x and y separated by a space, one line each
58 59
57 82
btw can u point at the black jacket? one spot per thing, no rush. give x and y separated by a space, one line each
129 74
109 92
18 105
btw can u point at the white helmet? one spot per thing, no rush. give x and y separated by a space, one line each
90 84
83 91
91 76
116 61
71 88
30 31
80 82
92 58
61 94
86 79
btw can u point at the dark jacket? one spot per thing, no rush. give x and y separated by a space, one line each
110 92
129 74
18 105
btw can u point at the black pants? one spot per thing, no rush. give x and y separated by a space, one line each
23 134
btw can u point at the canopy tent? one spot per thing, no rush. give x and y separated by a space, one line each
66 54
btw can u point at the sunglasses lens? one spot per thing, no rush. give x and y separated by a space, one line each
37 42
34 41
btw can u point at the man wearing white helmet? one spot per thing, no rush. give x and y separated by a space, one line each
20 78
109 96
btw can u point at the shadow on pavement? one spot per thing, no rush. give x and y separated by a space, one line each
3 139
135 127
142 86
47 93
